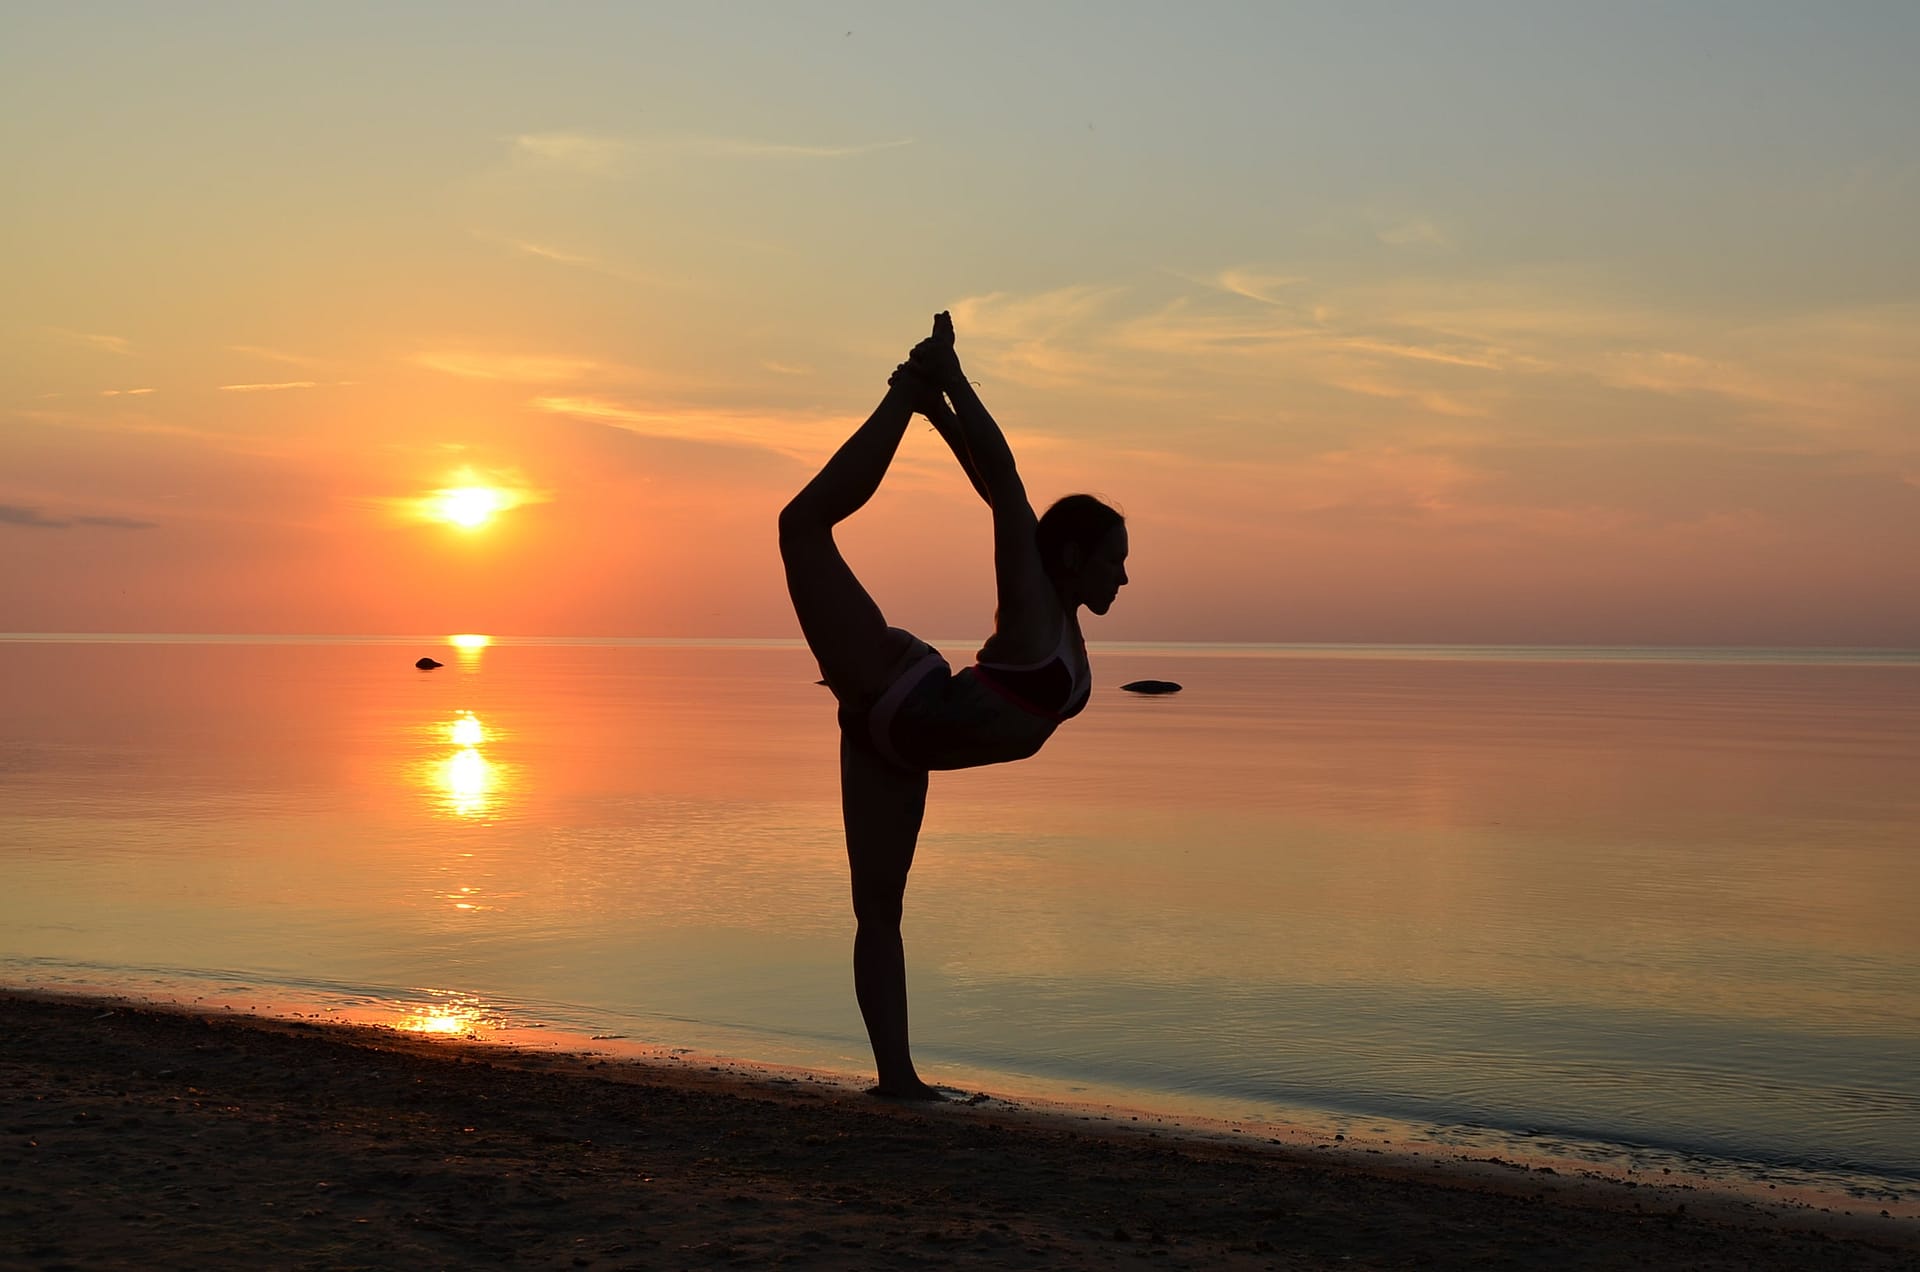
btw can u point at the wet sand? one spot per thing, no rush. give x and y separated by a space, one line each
144 1137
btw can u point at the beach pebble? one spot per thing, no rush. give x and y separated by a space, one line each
1151 686
428 664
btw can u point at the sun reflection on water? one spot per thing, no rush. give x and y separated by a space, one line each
458 1018
468 646
467 731
466 783
467 778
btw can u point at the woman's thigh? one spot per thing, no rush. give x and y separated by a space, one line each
882 807
843 627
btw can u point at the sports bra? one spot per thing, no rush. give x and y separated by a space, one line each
1056 688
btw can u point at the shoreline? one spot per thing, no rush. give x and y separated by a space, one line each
176 1137
1373 1135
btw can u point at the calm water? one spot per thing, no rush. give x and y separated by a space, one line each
1664 905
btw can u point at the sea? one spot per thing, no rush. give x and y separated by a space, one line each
1641 910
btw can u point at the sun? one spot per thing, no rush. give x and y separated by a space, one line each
472 499
468 507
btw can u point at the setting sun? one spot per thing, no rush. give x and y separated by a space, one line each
468 507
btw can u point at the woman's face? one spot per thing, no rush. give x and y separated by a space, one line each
1104 572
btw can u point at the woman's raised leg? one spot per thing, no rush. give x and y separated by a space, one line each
843 627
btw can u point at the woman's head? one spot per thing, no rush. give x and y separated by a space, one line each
1083 544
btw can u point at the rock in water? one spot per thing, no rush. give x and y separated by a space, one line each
428 664
1151 686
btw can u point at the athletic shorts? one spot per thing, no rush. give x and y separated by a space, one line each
929 718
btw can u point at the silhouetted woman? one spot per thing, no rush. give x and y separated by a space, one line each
903 711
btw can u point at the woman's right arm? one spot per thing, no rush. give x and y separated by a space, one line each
977 442
1028 613
987 448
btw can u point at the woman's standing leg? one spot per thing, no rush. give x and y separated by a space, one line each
882 807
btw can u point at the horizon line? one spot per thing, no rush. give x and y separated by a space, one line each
1607 651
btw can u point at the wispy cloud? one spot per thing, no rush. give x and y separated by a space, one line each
546 253
17 515
94 340
35 518
275 355
1267 288
1042 339
1520 353
576 152
515 367
270 388
593 155
572 259
121 392
796 435
115 523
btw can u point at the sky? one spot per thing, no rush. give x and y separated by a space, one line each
1524 322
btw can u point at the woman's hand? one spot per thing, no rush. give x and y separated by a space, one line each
928 399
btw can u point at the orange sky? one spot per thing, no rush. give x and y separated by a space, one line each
1484 328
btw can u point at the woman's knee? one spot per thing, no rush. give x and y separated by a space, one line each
798 520
879 903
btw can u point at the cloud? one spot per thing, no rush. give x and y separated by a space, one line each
786 368
546 253
34 518
1009 317
119 393
1044 339
797 436
572 259
275 355
115 523
1436 402
93 340
608 156
575 152
1255 285
269 388
1439 359
515 367
1461 346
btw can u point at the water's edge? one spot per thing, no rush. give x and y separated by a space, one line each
586 1030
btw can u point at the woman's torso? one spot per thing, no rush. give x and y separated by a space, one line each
990 713
1055 686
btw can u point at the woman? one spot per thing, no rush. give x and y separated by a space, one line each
902 710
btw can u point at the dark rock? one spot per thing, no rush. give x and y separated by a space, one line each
428 664
1151 686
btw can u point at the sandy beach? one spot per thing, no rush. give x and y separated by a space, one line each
149 1137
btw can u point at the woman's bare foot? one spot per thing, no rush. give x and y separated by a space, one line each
935 354
913 1090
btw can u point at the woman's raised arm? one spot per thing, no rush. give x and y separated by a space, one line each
1028 606
977 442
